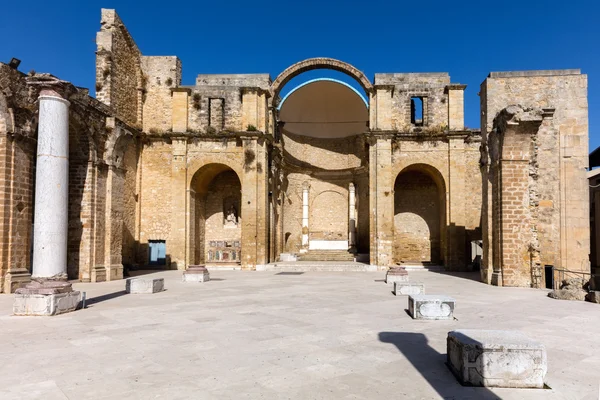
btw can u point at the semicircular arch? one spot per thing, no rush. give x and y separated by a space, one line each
319 63
203 173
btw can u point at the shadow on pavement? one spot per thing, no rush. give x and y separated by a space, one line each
104 297
432 366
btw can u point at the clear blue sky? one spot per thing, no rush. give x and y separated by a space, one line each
467 39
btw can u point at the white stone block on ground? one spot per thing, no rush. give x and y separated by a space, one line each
431 306
144 285
492 358
396 274
196 273
408 288
287 257
46 304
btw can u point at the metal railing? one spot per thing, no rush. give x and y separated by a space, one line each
560 274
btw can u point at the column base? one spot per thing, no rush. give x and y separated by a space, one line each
114 272
396 274
46 298
16 278
196 273
98 274
496 278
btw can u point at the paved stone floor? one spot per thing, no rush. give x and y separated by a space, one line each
316 335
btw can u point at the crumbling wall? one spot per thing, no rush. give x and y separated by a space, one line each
431 87
119 79
17 167
161 75
562 159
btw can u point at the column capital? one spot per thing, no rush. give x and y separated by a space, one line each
50 86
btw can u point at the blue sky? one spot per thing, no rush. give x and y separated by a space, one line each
468 39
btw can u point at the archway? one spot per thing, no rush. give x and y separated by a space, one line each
215 216
319 63
419 216
325 205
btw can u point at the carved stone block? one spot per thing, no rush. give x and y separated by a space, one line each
424 306
494 358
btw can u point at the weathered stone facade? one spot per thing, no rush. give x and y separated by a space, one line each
226 172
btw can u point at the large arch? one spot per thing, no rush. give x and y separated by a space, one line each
319 63
214 237
419 215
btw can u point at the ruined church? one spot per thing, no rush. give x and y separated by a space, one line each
228 172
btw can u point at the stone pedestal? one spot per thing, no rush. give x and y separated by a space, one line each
144 285
45 298
431 306
396 274
16 278
196 273
408 288
492 358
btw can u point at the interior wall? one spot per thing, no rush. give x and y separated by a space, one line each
417 216
223 192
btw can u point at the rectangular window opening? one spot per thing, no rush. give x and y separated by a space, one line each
416 111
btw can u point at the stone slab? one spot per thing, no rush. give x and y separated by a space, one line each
408 288
431 306
45 304
496 358
144 285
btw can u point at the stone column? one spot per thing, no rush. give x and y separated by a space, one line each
305 187
50 293
352 216
51 188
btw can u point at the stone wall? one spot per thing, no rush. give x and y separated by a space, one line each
558 185
431 87
161 74
418 218
155 198
119 79
17 166
223 192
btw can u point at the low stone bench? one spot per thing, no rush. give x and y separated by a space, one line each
396 274
408 288
490 358
196 273
431 306
144 285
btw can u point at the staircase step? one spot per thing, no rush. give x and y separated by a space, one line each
327 255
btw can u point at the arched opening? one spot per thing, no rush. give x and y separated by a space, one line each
325 205
319 63
419 216
215 216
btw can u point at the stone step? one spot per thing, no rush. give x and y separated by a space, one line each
318 266
327 255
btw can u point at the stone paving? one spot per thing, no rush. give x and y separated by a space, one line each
313 335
